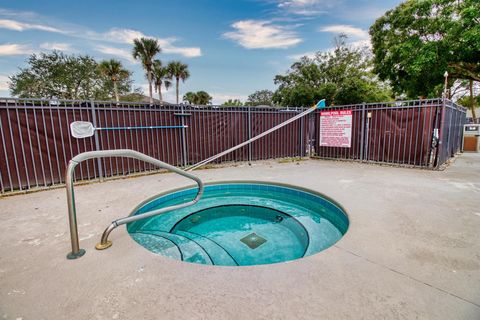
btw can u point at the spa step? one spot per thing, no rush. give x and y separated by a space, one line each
190 251
218 253
158 245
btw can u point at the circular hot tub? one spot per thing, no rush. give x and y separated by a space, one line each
241 223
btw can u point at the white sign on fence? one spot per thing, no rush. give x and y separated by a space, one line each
336 128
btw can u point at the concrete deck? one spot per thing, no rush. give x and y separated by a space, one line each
412 252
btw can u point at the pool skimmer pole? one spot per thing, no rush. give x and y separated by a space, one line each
320 105
84 129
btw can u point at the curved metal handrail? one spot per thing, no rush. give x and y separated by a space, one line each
72 215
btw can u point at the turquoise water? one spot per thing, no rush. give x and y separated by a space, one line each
239 224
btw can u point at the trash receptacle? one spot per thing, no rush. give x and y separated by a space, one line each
471 137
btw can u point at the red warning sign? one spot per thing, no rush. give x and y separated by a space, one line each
336 128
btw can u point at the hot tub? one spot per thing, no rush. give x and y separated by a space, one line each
241 223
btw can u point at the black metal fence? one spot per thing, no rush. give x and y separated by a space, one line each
417 133
36 144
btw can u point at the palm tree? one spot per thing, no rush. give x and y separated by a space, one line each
114 70
199 97
203 98
178 71
190 97
145 49
160 76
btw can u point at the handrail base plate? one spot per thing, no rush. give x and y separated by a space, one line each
103 246
73 256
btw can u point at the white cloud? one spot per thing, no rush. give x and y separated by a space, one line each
117 52
118 35
185 51
298 56
350 31
4 82
169 95
22 26
219 98
127 36
361 37
56 46
257 34
18 14
121 35
13 49
361 44
307 7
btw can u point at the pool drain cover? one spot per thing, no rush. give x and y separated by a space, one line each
253 240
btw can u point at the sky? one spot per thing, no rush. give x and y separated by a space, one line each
232 47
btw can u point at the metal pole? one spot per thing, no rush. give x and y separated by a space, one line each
445 89
321 104
14 150
97 142
439 156
362 132
184 139
249 135
450 146
302 128
367 126
312 134
72 216
7 164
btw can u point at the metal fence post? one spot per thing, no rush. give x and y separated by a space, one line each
440 158
249 135
302 126
450 129
184 138
97 142
362 132
312 132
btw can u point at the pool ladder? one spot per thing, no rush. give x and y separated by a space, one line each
72 215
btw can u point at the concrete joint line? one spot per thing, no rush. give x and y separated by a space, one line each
407 276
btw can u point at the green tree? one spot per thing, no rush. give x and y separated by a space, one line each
56 75
233 103
178 70
190 97
466 100
160 76
415 43
145 50
260 97
113 70
341 76
203 98
135 96
470 101
199 98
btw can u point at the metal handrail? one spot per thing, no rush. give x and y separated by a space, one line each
319 105
72 215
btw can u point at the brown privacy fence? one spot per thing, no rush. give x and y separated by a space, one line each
420 133
36 144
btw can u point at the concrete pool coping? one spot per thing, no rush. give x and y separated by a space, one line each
412 251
